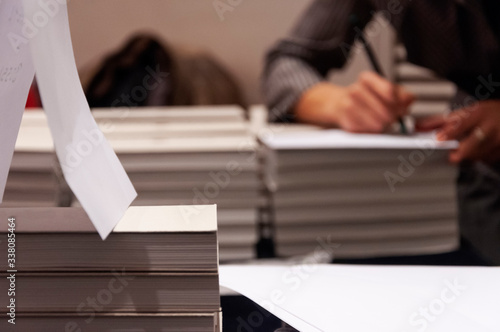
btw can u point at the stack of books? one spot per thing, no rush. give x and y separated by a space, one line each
35 178
433 93
173 155
157 271
193 155
361 196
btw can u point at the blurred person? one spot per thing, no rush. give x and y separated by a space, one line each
147 72
457 39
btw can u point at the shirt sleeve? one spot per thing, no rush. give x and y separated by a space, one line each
321 41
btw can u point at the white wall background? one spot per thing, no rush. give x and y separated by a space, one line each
239 41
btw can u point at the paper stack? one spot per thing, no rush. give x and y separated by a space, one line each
193 155
157 270
367 195
173 155
35 178
433 93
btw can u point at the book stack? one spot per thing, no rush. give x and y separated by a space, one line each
35 178
195 155
361 196
433 93
157 271
173 155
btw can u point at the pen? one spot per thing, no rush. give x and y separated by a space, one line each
378 69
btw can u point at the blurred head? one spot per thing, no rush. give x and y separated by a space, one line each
145 72
125 78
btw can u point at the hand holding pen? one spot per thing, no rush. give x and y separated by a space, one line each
366 106
396 90
372 104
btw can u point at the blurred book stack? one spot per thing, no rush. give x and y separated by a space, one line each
178 155
157 271
35 178
361 195
195 155
433 93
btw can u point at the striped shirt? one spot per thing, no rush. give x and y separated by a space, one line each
457 39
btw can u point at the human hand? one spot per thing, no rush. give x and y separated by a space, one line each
476 128
370 105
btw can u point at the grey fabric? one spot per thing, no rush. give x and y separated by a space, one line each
453 38
479 208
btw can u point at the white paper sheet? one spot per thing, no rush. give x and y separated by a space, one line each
339 139
16 75
348 298
90 166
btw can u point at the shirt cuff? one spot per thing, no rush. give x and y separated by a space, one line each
285 80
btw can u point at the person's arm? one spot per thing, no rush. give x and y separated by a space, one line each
321 40
294 78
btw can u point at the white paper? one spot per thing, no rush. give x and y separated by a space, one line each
358 298
90 166
16 75
339 139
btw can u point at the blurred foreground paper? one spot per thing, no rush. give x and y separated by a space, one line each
16 75
357 298
90 166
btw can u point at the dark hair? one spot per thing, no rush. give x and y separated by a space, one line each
186 79
120 79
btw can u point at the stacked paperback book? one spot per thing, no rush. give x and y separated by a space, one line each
157 271
361 195
35 178
173 155
196 155
368 195
433 93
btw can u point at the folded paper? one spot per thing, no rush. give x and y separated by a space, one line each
90 166
16 75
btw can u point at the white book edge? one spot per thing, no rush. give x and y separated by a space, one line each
339 139
137 219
